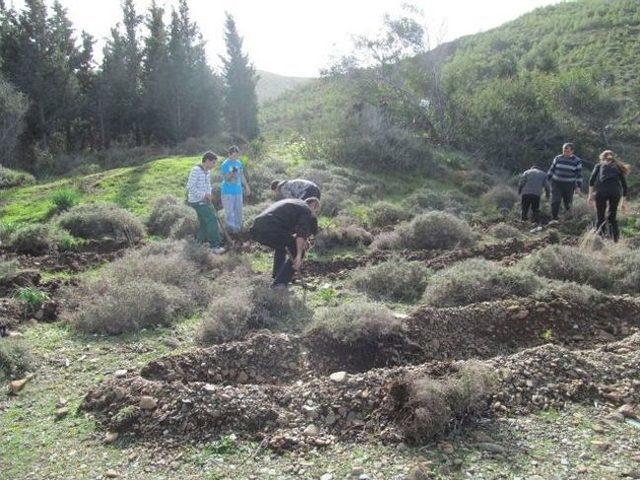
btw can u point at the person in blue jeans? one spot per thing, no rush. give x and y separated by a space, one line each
232 191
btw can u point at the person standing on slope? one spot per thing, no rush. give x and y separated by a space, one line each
608 187
233 181
530 187
199 198
565 174
296 188
286 226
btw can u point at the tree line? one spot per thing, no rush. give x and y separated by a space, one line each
153 84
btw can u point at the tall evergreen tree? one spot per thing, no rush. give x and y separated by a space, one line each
241 103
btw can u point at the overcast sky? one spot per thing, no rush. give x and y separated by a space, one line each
298 37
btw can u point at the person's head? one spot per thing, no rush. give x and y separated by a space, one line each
314 205
274 187
233 152
609 157
209 160
568 149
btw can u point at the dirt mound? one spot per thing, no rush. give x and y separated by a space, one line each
263 358
21 278
487 329
362 406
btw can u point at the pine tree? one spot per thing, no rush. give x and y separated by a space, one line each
241 103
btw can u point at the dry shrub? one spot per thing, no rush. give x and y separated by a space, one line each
435 231
501 197
504 231
574 293
15 358
254 305
356 321
567 263
151 286
426 199
99 220
386 241
185 227
167 211
34 239
478 280
14 178
337 237
430 407
384 214
625 264
395 280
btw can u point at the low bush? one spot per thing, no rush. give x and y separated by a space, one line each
574 293
478 280
99 220
8 268
185 227
31 299
167 211
386 241
357 321
34 239
570 264
430 407
15 178
253 306
151 286
15 358
579 218
625 265
434 231
504 231
395 280
501 197
474 188
63 199
384 214
337 237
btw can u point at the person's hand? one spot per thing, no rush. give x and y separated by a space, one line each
207 197
247 191
624 207
591 198
578 191
297 263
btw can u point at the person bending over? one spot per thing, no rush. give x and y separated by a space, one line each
565 174
199 198
296 188
530 187
608 187
286 226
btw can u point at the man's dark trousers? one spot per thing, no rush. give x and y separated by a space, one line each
282 268
561 192
530 201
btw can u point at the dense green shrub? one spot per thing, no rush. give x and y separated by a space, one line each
33 239
478 280
15 358
384 214
99 220
504 231
63 199
15 178
167 211
395 280
570 264
31 299
339 237
435 230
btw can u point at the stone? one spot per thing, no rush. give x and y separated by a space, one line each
490 447
242 377
338 377
112 474
627 410
327 476
311 430
148 403
17 385
61 413
357 471
110 437
120 373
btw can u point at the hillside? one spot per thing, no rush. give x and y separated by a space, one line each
271 85
519 81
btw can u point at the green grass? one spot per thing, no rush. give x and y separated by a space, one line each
133 188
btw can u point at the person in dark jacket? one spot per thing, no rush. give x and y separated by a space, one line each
565 175
530 187
296 188
608 187
286 226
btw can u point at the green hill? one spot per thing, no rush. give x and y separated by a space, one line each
565 72
271 85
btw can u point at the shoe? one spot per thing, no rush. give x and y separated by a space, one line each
219 250
553 222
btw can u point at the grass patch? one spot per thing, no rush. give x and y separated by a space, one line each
15 358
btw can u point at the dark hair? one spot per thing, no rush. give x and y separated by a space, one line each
569 145
209 156
274 184
233 149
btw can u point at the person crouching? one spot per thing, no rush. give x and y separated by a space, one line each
530 187
286 227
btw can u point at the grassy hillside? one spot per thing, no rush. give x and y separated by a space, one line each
271 85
